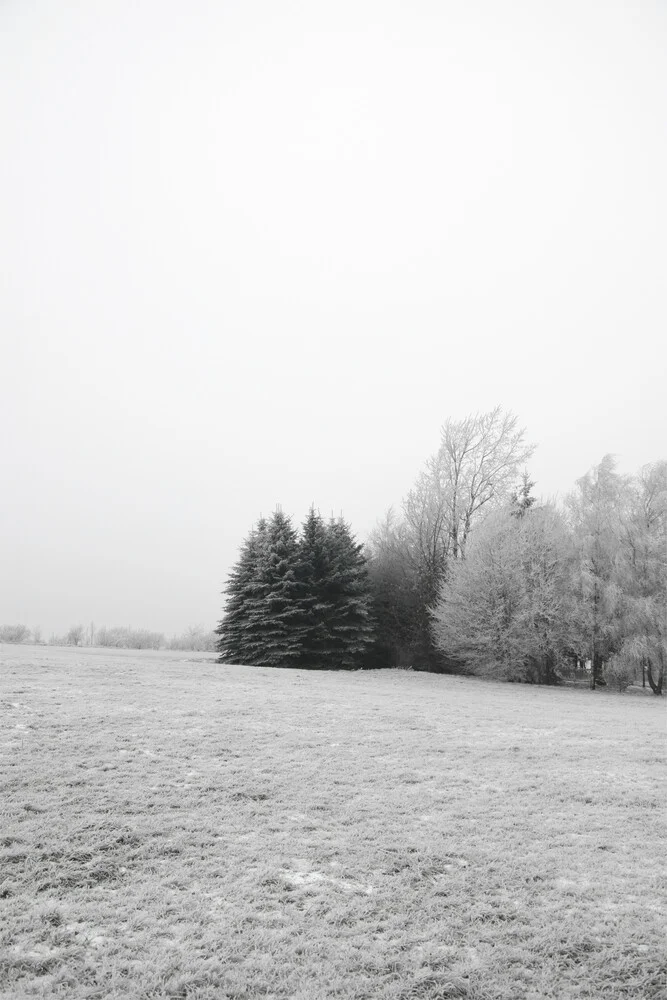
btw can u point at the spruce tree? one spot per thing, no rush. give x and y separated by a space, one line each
347 595
273 615
297 602
521 498
315 575
244 591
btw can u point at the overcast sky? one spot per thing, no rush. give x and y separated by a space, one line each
256 252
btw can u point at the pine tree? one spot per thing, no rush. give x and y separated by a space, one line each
244 591
522 499
273 615
347 593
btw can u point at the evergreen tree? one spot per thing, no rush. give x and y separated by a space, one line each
348 595
273 614
243 591
297 602
522 499
315 607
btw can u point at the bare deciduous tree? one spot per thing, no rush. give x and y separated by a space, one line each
473 472
195 637
476 468
75 635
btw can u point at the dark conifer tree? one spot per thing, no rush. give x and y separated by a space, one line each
244 591
297 602
273 618
315 574
348 598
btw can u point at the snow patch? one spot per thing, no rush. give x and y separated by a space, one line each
300 878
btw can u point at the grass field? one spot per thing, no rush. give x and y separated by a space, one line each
174 828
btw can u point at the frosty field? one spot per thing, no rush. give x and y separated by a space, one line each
174 828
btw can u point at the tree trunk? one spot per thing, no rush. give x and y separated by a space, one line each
654 684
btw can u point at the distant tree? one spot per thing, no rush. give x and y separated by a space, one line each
195 638
75 635
122 637
14 633
37 635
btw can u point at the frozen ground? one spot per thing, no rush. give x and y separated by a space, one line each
174 828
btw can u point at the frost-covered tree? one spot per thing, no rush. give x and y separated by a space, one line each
642 574
75 635
596 511
476 467
506 609
522 498
197 638
547 608
14 633
475 619
473 472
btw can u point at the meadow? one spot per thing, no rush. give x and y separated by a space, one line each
170 827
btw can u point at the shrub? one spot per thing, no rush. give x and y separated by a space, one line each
14 633
619 674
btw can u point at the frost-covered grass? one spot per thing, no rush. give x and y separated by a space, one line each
173 828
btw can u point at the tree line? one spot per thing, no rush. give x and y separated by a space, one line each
473 574
195 638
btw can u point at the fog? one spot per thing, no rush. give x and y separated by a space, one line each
256 253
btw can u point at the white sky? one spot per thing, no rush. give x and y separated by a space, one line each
257 252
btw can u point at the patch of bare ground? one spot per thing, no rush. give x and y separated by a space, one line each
175 828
